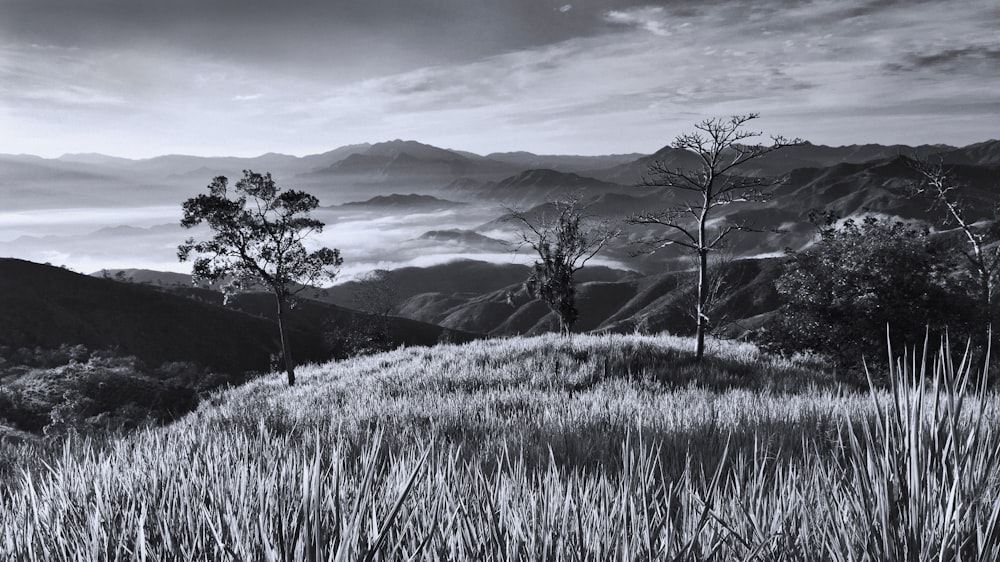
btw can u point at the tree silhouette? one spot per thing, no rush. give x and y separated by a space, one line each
257 241
721 146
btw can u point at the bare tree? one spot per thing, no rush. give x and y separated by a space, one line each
722 146
565 239
258 234
981 251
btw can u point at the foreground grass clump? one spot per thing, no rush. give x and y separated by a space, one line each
365 460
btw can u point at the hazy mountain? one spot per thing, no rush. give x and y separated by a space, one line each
146 276
95 159
27 168
316 161
562 163
402 203
980 154
466 238
410 161
534 186
777 163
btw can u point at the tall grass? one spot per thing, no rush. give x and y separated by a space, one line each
329 471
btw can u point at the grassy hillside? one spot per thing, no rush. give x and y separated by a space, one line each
610 447
45 306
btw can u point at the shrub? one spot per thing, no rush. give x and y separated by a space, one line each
859 278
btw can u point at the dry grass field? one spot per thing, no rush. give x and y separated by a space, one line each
547 448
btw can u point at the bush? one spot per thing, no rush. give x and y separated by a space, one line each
72 389
860 278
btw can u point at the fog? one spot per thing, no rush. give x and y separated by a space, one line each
91 239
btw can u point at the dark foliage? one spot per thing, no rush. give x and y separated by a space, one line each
565 238
361 335
74 389
861 278
258 233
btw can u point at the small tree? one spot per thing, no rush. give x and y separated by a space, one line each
565 239
980 241
721 146
378 295
258 234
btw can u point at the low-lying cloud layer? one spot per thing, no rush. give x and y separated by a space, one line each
368 240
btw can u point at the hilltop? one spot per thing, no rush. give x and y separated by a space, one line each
548 445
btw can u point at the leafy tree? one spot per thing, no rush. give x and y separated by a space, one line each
258 239
859 278
722 146
565 239
979 244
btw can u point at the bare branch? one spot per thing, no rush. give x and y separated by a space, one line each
722 145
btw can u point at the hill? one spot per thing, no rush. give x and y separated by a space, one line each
562 163
46 307
402 203
650 303
401 162
784 161
537 185
526 449
459 277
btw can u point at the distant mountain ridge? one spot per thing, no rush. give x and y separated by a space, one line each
408 161
397 201
393 161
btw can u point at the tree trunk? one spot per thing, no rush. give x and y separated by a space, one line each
702 297
285 351
987 289
702 275
564 327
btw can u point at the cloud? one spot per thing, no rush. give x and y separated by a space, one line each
609 76
975 59
649 18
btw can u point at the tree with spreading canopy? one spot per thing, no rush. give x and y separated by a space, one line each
258 240
859 277
721 145
565 238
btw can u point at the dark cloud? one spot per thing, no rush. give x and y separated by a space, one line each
973 60
377 35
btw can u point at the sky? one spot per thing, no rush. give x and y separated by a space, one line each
139 78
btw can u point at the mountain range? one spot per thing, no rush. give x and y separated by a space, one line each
394 163
432 201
